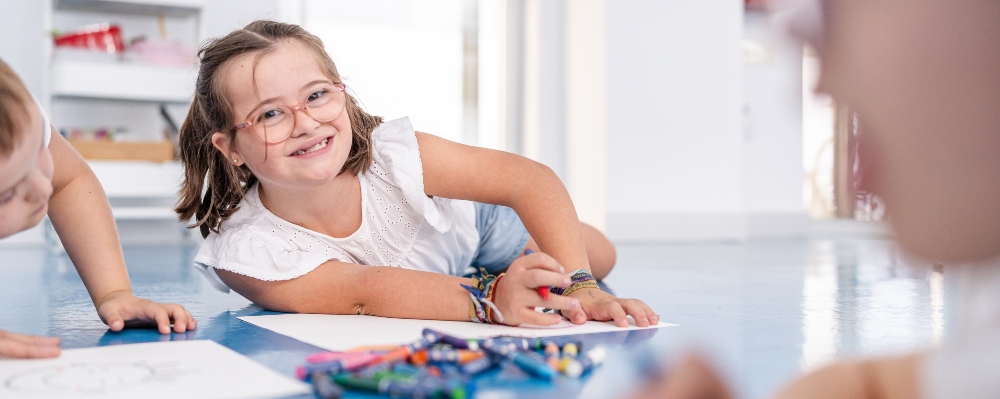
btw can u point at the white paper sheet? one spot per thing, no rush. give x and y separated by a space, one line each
343 332
187 369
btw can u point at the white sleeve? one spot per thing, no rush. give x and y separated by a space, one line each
245 251
46 123
967 365
396 158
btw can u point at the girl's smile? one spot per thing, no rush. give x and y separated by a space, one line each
314 148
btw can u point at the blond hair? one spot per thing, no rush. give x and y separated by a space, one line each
14 98
213 186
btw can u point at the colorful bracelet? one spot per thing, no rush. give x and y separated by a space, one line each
581 279
482 308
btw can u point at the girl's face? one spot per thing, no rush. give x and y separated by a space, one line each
26 177
315 151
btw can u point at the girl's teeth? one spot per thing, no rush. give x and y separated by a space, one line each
319 145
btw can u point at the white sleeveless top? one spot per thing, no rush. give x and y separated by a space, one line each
967 365
401 226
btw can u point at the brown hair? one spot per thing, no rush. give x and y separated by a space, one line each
213 186
14 98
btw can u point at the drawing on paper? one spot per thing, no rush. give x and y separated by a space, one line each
91 378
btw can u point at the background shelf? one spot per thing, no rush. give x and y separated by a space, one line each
123 81
170 8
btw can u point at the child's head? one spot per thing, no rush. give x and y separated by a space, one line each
244 128
25 161
924 77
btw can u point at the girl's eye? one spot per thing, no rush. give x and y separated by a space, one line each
271 113
6 197
316 95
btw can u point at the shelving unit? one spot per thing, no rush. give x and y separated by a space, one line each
142 180
121 81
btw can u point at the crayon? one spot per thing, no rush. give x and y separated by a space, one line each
336 365
445 338
552 354
476 366
325 388
570 350
324 357
526 361
543 291
583 364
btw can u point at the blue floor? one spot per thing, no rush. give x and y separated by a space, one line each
764 310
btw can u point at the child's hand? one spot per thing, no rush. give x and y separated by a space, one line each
602 306
20 346
517 295
691 378
121 308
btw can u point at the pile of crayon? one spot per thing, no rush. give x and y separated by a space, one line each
441 366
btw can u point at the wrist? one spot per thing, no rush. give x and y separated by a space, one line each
110 295
581 279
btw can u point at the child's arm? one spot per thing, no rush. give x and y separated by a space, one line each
346 288
81 215
879 378
453 170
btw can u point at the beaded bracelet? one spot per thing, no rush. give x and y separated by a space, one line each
581 279
482 308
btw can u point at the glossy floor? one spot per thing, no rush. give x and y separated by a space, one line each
765 310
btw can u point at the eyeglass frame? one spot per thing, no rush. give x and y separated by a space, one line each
294 108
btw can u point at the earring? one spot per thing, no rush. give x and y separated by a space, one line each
236 161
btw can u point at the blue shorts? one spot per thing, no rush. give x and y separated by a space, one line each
502 237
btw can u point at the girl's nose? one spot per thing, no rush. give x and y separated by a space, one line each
304 122
39 189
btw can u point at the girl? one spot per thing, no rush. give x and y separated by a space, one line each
39 172
300 193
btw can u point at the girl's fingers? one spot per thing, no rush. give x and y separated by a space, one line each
540 261
544 278
558 302
530 316
637 311
575 316
162 320
611 310
180 317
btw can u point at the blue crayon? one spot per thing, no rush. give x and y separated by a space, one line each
476 366
445 338
530 364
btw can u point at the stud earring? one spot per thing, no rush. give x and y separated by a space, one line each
236 161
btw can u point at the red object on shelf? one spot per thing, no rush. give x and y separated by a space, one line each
104 37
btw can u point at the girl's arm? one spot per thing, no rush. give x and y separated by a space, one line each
345 288
453 170
82 217
533 190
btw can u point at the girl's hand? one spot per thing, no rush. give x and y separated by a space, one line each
517 295
121 308
20 346
602 306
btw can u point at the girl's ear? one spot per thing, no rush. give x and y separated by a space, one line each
223 143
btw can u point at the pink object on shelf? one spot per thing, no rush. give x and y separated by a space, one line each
161 52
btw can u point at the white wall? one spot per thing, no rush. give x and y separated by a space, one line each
675 125
772 77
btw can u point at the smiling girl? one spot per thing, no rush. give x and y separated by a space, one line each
309 204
